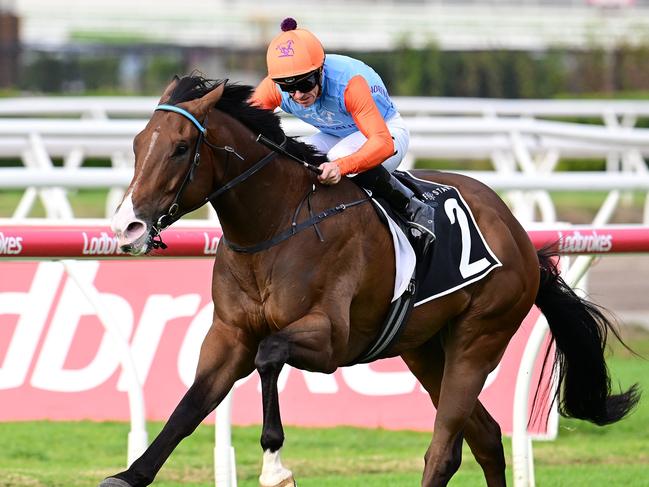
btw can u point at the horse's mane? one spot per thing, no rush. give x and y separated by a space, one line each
235 103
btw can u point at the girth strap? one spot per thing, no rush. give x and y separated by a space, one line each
394 324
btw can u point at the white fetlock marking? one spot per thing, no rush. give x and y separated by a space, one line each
272 470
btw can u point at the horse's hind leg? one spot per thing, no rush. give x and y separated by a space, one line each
482 433
223 359
427 364
472 349
480 430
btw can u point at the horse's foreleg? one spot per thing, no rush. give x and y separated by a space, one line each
304 343
272 354
224 358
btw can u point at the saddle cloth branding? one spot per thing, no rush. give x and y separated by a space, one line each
460 254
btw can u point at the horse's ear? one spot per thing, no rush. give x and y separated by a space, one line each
169 89
207 102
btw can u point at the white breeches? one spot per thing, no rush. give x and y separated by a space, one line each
337 147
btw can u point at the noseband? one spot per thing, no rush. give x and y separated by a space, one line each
173 213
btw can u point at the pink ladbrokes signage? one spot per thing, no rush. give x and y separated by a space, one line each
57 362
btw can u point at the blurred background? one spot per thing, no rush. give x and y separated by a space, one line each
497 48
546 99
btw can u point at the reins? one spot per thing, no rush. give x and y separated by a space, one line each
172 215
281 150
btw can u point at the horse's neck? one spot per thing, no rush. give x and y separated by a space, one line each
262 206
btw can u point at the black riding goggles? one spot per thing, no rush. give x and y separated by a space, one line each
303 85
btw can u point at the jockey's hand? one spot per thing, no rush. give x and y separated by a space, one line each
330 173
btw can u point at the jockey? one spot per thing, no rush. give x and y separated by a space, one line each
360 130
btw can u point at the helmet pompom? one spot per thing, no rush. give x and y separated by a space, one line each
293 52
288 24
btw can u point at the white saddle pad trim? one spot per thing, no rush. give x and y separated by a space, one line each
404 257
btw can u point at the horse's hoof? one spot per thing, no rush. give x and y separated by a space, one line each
288 482
114 482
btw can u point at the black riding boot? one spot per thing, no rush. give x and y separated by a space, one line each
420 216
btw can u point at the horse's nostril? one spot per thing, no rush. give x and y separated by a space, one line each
135 230
132 226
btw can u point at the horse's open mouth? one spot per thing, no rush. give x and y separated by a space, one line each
131 249
142 245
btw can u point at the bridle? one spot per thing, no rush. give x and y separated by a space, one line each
173 214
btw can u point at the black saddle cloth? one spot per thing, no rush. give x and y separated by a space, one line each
460 254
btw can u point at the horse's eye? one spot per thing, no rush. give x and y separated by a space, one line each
180 150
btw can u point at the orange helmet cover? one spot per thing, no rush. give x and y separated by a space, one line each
293 52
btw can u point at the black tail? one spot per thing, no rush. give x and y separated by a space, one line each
579 330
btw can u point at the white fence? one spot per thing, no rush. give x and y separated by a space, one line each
140 106
523 149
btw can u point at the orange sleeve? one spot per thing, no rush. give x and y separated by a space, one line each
379 145
266 95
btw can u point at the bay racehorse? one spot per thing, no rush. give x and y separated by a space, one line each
285 293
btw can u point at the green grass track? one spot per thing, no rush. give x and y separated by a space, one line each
80 454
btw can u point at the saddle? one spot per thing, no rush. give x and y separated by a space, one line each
460 256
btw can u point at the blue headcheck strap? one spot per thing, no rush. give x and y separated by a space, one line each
184 113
